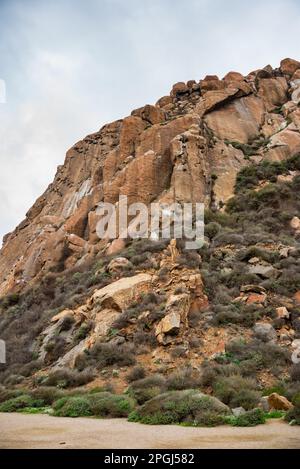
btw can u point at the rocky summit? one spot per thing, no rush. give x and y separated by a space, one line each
153 316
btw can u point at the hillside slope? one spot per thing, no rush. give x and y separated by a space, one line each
76 310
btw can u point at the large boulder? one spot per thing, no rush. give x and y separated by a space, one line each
278 402
238 120
289 66
118 295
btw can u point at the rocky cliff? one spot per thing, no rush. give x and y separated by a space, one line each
188 147
78 310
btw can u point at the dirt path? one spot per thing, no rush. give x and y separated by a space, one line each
43 431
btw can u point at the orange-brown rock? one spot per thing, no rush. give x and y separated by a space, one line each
179 88
239 120
278 402
289 66
163 153
256 298
233 76
273 91
151 114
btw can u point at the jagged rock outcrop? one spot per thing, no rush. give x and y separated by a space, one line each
188 147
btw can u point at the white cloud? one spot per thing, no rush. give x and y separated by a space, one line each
71 66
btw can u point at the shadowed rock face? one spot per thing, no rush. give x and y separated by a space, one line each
167 152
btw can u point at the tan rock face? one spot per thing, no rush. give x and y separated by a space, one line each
177 310
169 325
120 294
273 91
278 402
239 120
167 152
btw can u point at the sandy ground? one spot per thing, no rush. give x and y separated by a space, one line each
43 431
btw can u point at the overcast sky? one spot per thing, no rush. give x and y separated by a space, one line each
69 66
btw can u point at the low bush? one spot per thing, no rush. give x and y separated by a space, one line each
138 372
237 391
293 416
66 378
6 394
183 379
20 402
72 407
212 229
106 354
145 389
188 407
265 355
248 419
295 372
30 368
47 394
110 405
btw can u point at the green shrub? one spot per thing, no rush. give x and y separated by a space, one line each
65 378
20 402
6 394
237 391
110 405
275 414
83 330
293 416
279 388
212 229
145 389
72 407
47 394
189 407
265 355
106 354
249 419
138 372
183 379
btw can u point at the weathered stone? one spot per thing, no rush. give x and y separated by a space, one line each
264 332
297 298
239 120
274 92
264 403
289 66
265 271
233 76
179 88
282 313
278 402
164 101
118 295
252 288
149 113
295 223
256 298
214 98
116 246
118 264
62 314
169 325
238 411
